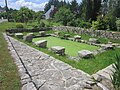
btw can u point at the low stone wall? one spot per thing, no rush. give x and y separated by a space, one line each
94 33
26 30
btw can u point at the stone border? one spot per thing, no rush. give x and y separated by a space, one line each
26 30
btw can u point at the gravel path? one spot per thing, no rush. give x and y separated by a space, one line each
39 71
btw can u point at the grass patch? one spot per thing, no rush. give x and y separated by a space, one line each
9 78
71 47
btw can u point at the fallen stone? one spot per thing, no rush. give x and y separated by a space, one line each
107 46
28 38
58 50
85 54
19 35
41 43
77 38
93 40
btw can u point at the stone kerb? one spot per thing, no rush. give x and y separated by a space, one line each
58 50
19 35
41 43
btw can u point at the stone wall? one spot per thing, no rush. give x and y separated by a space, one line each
26 30
96 33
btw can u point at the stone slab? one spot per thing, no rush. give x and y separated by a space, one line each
85 54
41 43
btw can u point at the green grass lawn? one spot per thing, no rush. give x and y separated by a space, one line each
9 78
71 48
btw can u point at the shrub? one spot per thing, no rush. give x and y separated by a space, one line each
42 24
110 19
19 25
100 24
95 25
116 75
84 24
35 26
118 24
79 23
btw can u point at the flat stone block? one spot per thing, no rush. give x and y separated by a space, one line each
30 34
77 38
19 35
93 40
41 43
58 50
85 54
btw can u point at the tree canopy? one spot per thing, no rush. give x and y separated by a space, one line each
64 15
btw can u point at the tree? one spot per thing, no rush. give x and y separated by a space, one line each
64 15
110 18
24 15
86 9
96 9
56 3
118 24
38 16
6 8
51 2
110 5
74 7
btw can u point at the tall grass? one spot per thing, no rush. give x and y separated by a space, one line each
116 75
9 78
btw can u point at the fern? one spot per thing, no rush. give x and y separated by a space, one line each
116 74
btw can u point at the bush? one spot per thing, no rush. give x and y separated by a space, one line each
19 25
35 27
79 23
42 24
110 20
95 25
116 75
84 24
100 24
118 24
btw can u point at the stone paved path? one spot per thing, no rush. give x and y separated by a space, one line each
39 71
